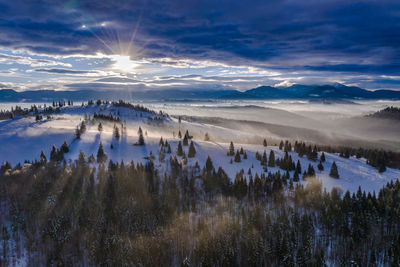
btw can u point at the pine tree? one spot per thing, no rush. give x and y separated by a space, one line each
265 142
231 151
209 164
185 140
320 166
81 158
237 156
83 127
77 133
100 127
264 159
101 156
179 150
245 155
334 173
271 161
323 157
5 166
281 145
43 158
54 153
310 171
141 138
298 166
192 150
296 176
179 134
64 148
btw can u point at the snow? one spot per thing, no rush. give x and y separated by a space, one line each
24 138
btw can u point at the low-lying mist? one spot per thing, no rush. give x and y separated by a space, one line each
329 123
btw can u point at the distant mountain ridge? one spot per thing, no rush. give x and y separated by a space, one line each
297 91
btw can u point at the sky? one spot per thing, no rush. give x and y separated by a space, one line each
208 44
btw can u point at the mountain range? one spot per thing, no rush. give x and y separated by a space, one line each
297 91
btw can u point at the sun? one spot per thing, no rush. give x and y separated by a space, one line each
123 63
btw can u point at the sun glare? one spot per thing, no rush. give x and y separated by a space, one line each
123 63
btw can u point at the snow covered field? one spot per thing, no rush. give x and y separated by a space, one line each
24 138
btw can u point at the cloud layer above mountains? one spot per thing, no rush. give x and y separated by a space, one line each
278 42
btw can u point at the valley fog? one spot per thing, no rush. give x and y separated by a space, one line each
311 109
341 123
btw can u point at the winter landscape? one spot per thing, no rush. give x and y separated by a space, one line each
152 133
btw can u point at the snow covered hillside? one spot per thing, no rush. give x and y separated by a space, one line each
23 138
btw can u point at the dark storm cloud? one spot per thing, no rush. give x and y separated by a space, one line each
385 68
293 35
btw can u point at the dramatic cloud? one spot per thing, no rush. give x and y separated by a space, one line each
295 41
66 71
9 59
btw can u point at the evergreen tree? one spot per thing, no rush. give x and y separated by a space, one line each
101 155
77 133
100 127
281 145
323 157
265 142
271 161
320 166
237 156
231 151
185 140
264 158
5 166
43 159
141 138
296 176
81 158
298 166
347 154
54 153
334 173
83 127
179 134
192 150
209 165
311 170
179 150
64 147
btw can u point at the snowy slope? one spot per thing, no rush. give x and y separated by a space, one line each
24 138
